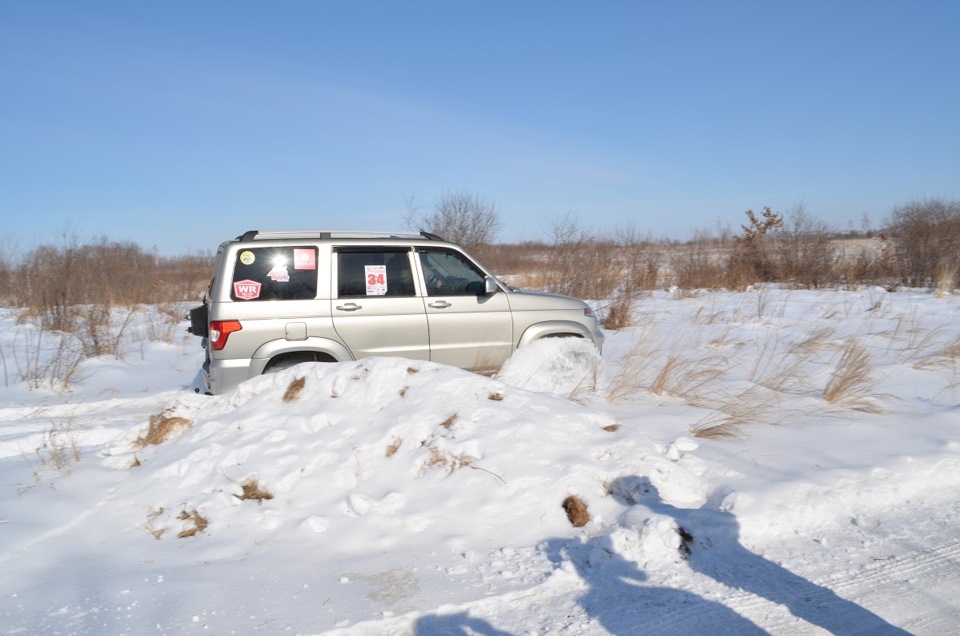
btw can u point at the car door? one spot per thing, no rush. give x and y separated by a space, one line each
376 309
468 328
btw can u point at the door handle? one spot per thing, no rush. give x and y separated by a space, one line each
349 307
440 304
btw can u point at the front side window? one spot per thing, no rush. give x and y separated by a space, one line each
377 272
275 273
448 273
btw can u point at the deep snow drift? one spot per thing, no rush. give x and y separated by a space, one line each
398 496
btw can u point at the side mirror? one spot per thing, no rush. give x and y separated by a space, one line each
490 285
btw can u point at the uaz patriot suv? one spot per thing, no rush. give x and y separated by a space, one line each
280 298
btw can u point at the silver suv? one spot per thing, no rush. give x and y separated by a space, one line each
280 298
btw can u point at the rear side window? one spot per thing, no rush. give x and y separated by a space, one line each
374 273
275 273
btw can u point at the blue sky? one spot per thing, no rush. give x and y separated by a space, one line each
180 124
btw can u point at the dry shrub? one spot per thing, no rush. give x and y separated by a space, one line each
393 447
850 383
199 522
403 390
700 264
162 427
294 390
496 396
252 490
925 238
618 314
611 428
576 510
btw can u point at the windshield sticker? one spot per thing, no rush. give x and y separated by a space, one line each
246 289
304 258
279 273
247 257
376 279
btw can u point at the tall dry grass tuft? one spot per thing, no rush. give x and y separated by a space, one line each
691 378
851 383
948 356
628 380
750 407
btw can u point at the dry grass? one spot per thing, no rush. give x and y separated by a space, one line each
628 379
162 427
198 523
496 396
751 407
253 491
445 460
611 428
576 510
787 371
946 357
393 447
688 378
156 533
60 448
850 385
294 390
448 423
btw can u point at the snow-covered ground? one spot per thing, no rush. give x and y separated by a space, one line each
783 462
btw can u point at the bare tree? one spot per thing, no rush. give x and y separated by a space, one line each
460 216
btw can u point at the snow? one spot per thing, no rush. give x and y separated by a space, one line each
407 497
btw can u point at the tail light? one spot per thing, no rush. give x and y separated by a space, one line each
220 330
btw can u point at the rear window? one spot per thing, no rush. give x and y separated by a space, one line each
275 273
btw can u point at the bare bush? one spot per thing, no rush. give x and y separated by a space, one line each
926 238
805 255
700 264
581 264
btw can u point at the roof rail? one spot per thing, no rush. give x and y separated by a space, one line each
251 235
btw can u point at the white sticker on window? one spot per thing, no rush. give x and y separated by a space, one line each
376 279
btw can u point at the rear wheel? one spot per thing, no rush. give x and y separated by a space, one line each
288 360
